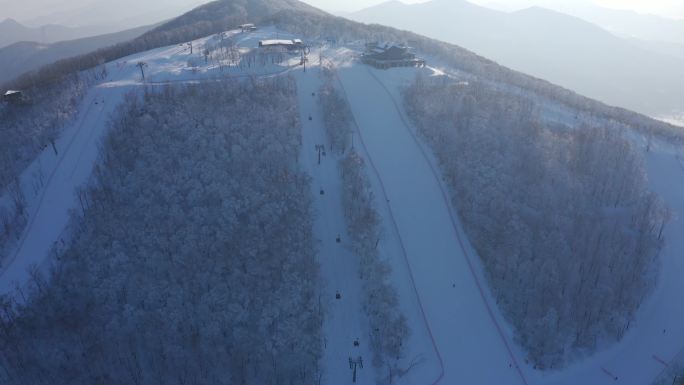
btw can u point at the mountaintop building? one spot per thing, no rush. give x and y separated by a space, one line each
248 27
387 55
289 44
13 96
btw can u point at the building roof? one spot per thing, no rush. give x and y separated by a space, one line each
276 42
391 53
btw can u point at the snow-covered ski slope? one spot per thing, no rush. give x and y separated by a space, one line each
70 168
49 207
408 173
470 337
458 334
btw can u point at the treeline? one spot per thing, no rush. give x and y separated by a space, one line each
388 326
212 18
324 26
561 217
192 261
338 116
311 23
28 127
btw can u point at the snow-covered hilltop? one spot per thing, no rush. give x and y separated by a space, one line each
223 210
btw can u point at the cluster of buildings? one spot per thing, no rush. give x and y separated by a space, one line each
388 55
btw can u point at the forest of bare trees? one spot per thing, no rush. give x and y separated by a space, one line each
192 259
28 127
561 217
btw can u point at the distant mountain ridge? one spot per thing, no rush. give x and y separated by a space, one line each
562 49
630 23
12 32
309 22
25 56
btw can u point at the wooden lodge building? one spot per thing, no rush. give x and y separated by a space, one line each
390 56
289 45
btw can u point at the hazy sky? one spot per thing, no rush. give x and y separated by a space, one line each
667 8
28 9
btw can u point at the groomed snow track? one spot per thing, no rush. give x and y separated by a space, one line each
376 116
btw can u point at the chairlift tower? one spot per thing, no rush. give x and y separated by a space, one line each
321 151
353 365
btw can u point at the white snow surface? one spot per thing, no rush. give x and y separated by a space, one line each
457 332
472 342
476 345
344 321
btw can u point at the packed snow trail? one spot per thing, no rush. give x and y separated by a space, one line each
74 165
656 336
465 247
466 336
420 352
344 321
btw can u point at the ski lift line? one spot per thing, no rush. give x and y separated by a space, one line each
659 360
609 374
676 357
5 267
396 230
461 243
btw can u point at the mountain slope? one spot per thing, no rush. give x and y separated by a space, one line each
26 56
375 106
630 23
562 49
211 18
122 14
12 31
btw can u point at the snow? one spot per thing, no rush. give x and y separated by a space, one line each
458 333
344 321
412 187
657 336
467 334
266 43
49 207
676 119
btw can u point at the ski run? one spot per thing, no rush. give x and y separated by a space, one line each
458 335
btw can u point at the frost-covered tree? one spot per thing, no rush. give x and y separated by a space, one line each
193 259
561 216
388 326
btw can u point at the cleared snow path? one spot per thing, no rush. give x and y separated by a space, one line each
475 349
344 321
49 214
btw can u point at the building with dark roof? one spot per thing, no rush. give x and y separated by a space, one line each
289 44
385 56
13 96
